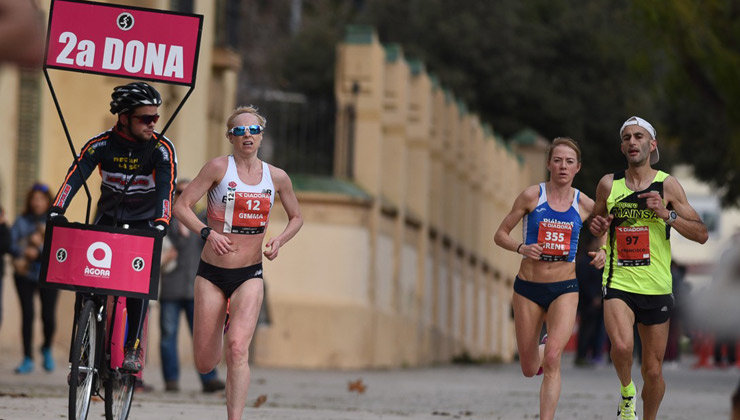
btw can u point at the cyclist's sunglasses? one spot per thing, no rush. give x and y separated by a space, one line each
147 119
241 130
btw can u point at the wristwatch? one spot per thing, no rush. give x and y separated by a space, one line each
205 232
672 216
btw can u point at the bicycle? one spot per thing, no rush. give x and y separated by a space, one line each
99 330
95 359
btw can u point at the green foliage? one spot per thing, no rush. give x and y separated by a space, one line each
702 93
574 68
562 67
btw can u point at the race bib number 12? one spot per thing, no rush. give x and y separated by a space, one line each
247 213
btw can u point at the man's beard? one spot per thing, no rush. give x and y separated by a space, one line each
140 138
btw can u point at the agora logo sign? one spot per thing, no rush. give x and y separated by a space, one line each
99 256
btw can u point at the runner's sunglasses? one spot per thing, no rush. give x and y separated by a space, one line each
241 130
147 119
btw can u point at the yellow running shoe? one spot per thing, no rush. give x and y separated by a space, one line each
626 409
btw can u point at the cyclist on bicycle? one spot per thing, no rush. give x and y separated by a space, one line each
131 149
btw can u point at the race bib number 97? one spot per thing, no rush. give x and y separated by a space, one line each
633 246
556 240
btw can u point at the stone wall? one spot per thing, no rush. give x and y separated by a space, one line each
405 273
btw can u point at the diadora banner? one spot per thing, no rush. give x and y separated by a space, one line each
144 44
98 261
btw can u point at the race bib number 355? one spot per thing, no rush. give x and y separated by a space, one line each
556 240
633 246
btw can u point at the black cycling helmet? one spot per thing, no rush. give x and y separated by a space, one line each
127 97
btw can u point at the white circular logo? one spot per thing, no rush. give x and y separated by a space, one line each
125 21
137 264
107 255
61 255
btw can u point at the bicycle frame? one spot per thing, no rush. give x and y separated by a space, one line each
117 327
113 335
96 355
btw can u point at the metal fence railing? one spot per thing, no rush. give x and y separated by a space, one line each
300 132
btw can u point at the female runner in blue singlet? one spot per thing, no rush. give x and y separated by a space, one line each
241 190
546 289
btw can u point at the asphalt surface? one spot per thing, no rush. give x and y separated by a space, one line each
439 392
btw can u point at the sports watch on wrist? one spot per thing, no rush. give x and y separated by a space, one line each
672 216
205 232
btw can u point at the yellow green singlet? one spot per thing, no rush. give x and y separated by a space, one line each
638 247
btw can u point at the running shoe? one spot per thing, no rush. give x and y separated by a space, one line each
626 409
48 359
25 367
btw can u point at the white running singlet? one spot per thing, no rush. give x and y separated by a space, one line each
243 208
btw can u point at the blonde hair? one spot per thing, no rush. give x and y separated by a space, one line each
249 109
566 141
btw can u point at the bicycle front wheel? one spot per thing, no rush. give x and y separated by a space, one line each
119 392
82 370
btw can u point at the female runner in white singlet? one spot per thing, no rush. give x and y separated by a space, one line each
241 190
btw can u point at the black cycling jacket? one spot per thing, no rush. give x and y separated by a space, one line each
150 195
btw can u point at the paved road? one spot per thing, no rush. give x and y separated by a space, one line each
442 392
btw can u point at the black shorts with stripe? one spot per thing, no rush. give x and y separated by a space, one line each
648 309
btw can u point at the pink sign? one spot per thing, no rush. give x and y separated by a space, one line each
101 260
125 41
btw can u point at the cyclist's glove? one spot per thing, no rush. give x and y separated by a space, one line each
161 227
56 214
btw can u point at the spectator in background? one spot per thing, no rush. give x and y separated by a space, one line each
591 331
4 248
736 404
179 266
675 330
724 351
27 237
715 308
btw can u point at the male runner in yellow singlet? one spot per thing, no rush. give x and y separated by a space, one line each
637 208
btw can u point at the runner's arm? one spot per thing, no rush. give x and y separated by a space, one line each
292 209
522 205
599 220
598 258
209 175
688 223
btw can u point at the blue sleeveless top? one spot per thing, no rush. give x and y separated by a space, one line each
557 230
